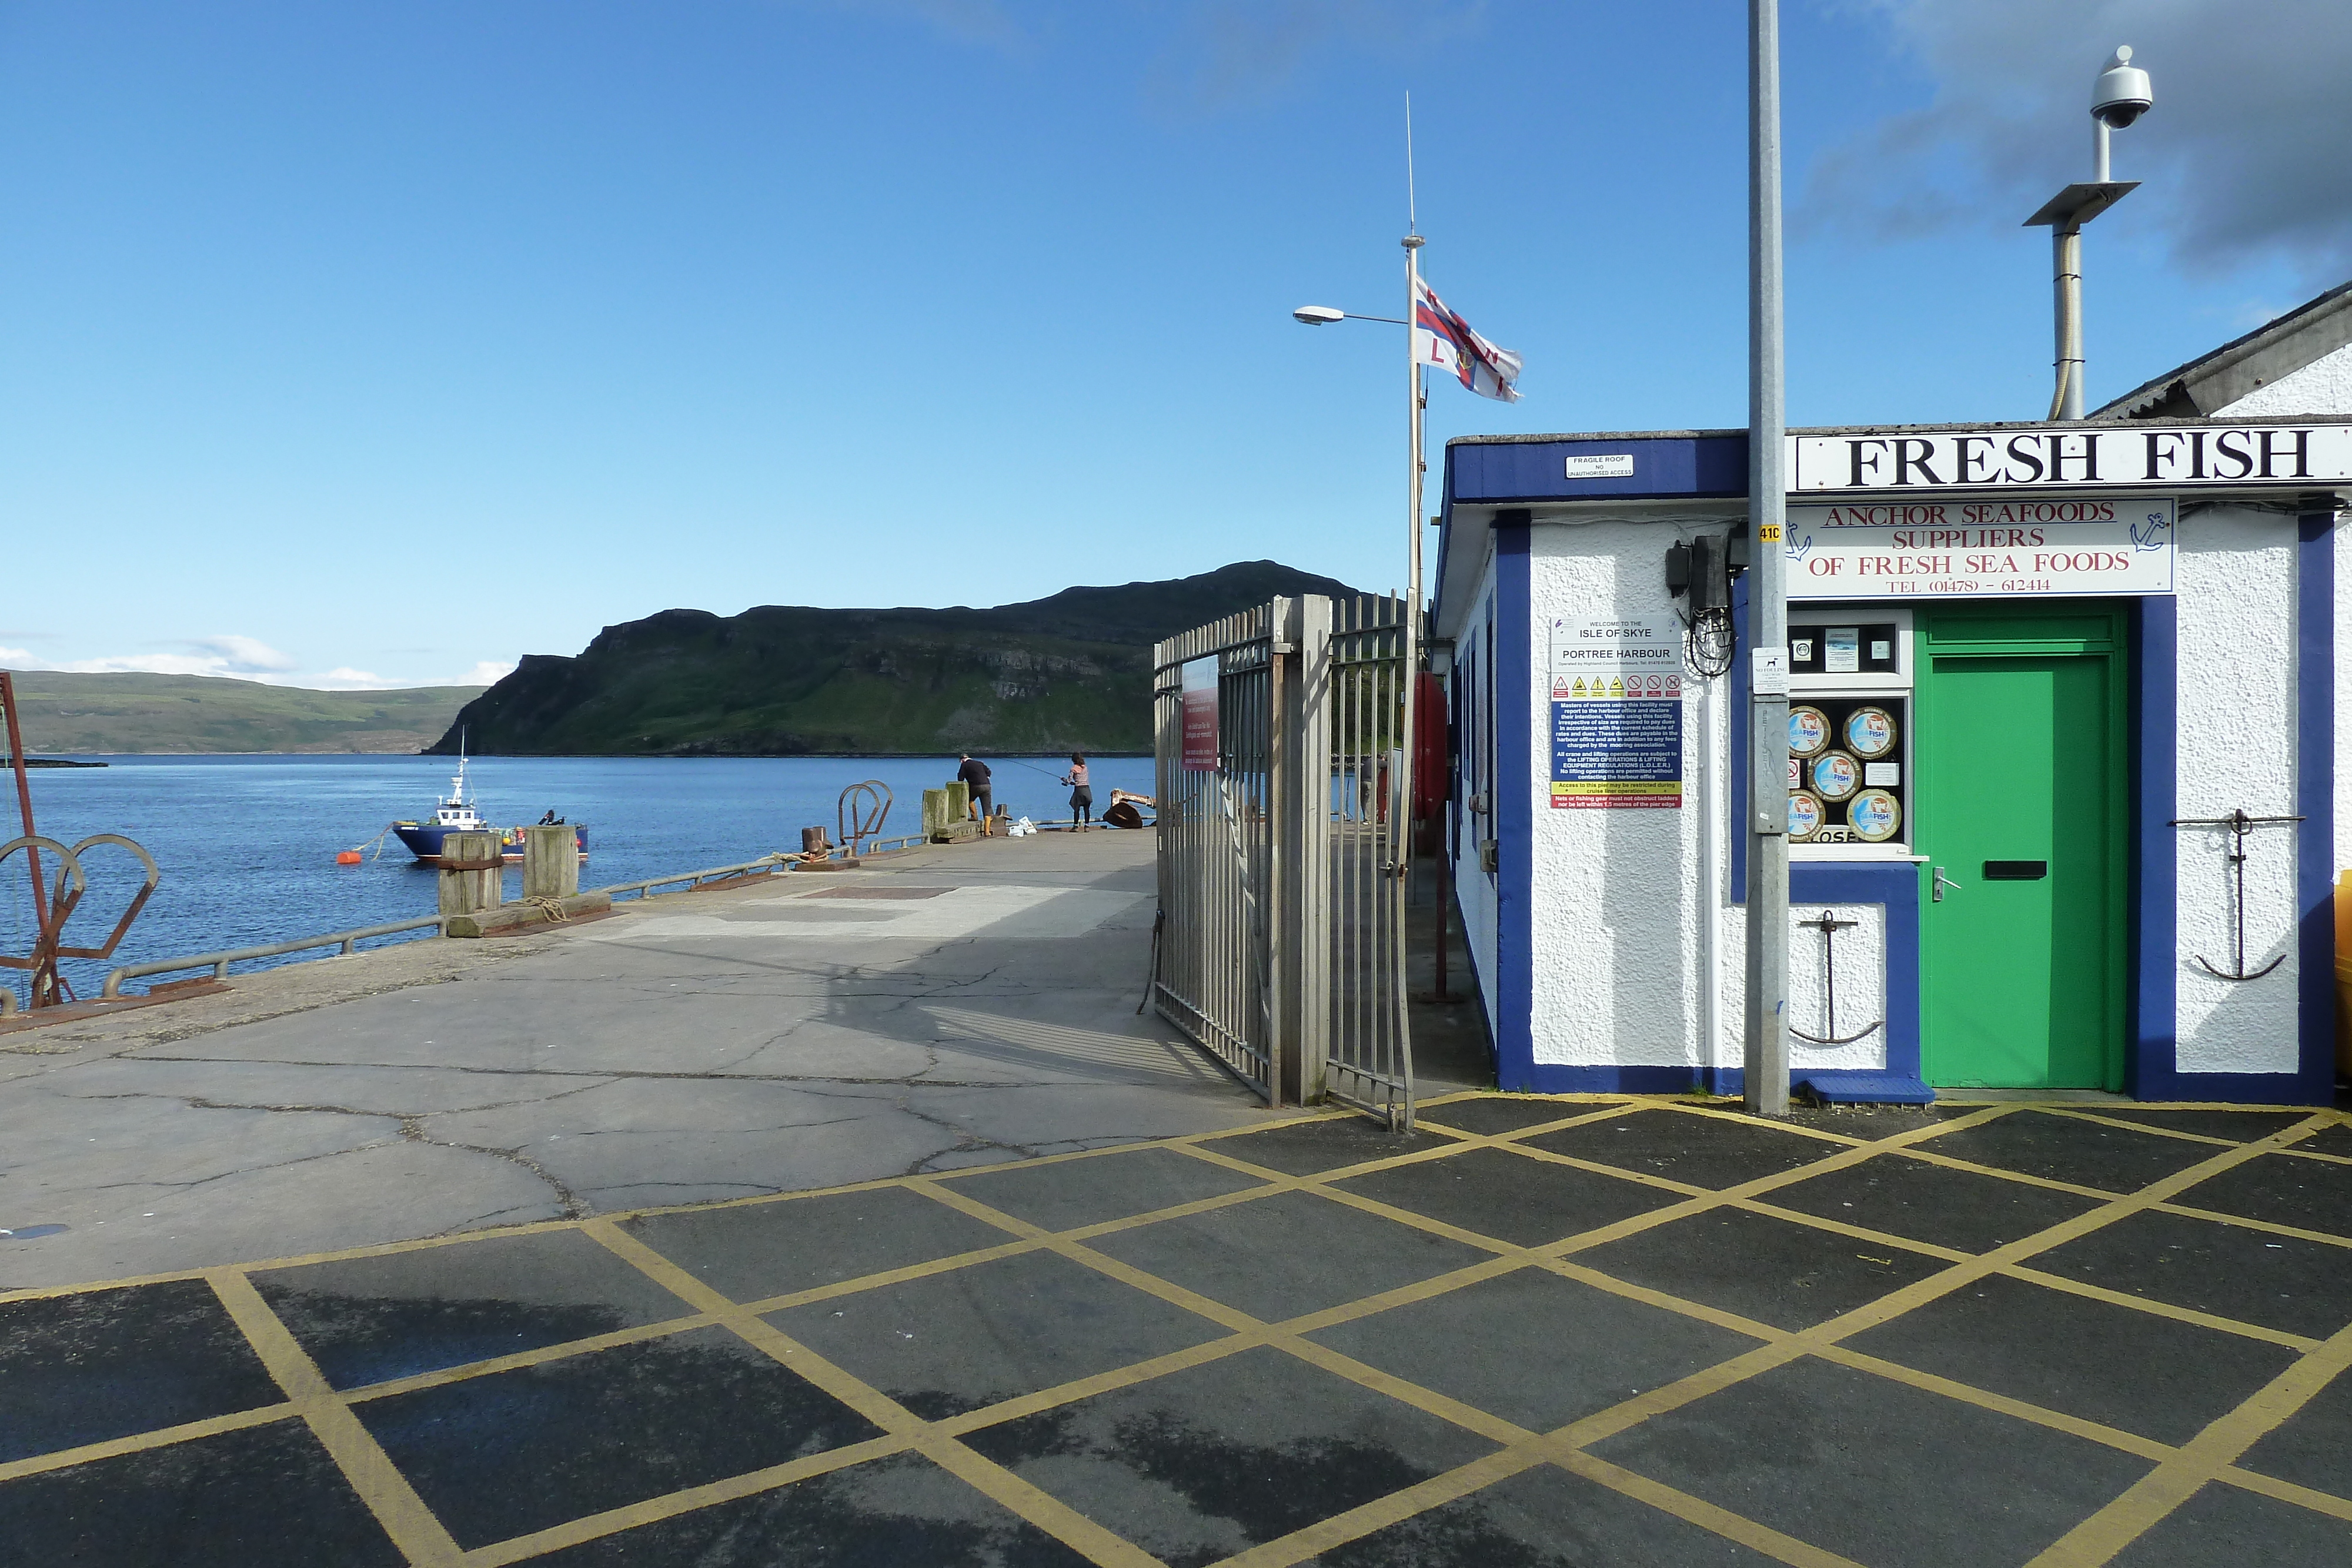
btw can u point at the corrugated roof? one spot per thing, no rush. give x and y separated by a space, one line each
2214 382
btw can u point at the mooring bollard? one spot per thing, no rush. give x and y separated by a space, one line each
935 812
472 873
551 862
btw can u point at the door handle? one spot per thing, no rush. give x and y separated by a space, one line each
1941 882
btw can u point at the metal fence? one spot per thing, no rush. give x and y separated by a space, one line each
1281 882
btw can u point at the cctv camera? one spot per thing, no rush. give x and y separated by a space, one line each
2122 94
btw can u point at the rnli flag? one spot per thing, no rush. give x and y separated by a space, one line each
1443 341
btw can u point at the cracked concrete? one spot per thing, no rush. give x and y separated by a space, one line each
702 1046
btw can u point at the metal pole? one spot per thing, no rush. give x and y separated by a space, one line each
43 987
1766 1057
1400 815
2067 285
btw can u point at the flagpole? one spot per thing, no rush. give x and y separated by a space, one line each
1400 824
1417 402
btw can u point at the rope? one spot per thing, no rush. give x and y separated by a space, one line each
550 907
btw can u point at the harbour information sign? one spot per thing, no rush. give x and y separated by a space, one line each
1616 713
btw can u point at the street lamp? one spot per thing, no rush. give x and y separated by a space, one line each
2120 96
1324 315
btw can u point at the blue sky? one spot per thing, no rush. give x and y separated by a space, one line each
345 343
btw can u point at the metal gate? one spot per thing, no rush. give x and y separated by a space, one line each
1371 1049
1281 868
1211 976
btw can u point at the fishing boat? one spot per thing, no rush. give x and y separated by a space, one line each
455 813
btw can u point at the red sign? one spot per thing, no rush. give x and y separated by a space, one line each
1200 714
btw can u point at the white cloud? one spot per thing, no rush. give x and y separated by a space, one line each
1231 51
246 658
245 653
488 672
2244 154
243 658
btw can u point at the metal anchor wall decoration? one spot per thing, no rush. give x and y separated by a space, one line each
2240 825
1829 926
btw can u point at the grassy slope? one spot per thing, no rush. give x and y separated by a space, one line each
137 713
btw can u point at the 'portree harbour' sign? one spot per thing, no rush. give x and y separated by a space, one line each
1616 713
2009 547
1200 714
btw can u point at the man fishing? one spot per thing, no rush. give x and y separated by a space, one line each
975 777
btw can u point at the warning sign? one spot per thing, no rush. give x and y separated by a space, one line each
1616 713
1615 752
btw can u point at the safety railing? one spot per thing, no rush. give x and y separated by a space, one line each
765 865
218 963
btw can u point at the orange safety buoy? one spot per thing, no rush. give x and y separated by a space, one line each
347 857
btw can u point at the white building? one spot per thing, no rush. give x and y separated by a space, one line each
2033 666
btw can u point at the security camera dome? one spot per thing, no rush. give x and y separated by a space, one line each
2122 93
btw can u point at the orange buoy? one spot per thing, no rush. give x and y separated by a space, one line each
347 857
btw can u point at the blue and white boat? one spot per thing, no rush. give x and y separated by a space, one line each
455 813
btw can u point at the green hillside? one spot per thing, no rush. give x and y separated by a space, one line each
139 713
1071 673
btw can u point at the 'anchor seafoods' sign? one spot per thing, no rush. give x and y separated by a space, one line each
1616 712
2019 545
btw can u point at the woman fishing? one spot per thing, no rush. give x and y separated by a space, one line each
1082 797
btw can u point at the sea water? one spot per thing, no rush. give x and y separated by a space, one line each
247 844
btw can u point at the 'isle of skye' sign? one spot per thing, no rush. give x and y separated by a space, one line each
2076 457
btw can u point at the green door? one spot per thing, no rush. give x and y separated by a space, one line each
2019 795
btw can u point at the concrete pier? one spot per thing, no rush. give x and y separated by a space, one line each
940 1009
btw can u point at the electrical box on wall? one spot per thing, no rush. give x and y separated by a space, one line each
1849 709
1700 571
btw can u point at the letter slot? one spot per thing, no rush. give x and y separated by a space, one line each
2016 871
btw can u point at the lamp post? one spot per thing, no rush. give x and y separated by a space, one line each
1764 1056
1417 469
2120 96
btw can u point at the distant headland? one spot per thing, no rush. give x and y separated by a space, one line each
1071 673
113 714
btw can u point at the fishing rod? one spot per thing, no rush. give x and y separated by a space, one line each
1032 767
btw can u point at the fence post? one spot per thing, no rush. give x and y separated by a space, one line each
1303 829
551 862
471 873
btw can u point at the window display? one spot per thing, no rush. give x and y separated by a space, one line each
1845 769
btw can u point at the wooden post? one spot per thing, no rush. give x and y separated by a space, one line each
551 862
472 874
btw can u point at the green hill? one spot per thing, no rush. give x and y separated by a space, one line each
1071 673
139 713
